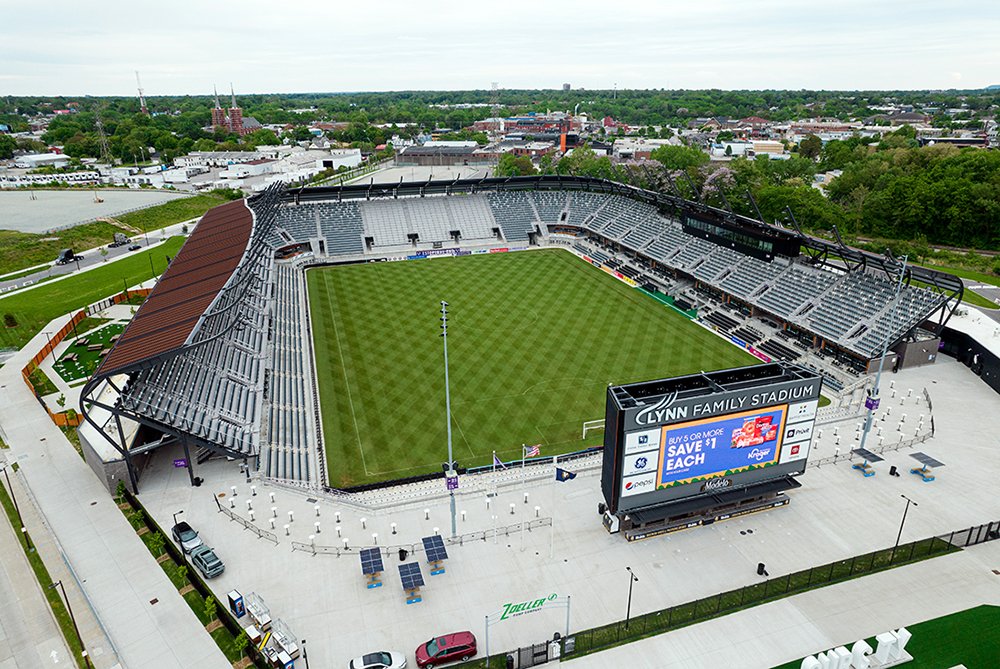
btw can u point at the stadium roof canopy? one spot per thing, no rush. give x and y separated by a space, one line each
168 317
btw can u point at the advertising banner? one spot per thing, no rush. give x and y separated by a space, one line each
704 449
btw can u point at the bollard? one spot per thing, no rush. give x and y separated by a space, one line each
286 530
836 431
902 419
892 384
364 523
393 526
537 509
232 503
463 515
251 516
909 392
249 505
316 525
512 506
427 514
487 503
338 532
336 515
312 539
253 490
375 538
525 498
820 434
233 488
271 521
880 440
436 531
837 442
274 512
317 510
346 547
271 495
291 518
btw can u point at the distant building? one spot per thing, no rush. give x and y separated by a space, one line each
36 160
566 87
440 155
631 148
233 121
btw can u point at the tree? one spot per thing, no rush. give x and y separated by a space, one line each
810 147
679 157
182 573
241 642
156 542
210 608
510 165
61 400
7 147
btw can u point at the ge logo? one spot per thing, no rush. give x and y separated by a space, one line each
640 463
643 439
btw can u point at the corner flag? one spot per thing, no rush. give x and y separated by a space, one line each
564 475
497 462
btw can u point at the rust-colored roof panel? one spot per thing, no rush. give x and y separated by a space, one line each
188 287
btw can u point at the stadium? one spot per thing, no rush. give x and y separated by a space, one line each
280 335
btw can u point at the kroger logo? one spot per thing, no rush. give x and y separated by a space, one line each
758 454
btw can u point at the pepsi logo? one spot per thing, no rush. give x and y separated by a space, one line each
629 485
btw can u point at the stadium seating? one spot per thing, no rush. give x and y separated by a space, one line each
514 213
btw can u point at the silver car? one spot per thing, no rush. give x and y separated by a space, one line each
385 659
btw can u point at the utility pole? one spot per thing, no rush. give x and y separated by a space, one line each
902 522
69 609
871 404
447 410
632 578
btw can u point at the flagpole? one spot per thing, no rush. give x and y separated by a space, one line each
552 525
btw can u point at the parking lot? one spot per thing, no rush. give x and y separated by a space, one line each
323 598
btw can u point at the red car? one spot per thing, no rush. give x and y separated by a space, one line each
447 648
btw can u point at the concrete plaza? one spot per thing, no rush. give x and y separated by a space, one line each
836 514
39 210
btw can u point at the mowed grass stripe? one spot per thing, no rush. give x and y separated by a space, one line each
534 338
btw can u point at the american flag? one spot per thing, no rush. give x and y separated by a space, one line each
533 451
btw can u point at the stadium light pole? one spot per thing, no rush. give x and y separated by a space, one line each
632 578
69 609
447 409
871 402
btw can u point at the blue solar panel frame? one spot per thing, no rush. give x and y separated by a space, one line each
409 574
371 561
434 548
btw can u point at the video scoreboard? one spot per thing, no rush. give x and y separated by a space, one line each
675 438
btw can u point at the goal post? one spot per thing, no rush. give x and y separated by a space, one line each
592 425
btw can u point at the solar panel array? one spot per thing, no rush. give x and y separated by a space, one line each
409 574
434 548
371 561
867 455
926 460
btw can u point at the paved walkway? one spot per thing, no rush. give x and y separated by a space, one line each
29 636
816 621
149 623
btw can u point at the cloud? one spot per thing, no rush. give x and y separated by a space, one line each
183 47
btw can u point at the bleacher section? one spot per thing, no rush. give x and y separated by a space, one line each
794 288
514 213
285 451
431 219
550 205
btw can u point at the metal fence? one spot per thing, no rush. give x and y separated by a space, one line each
688 613
974 535
413 548
261 534
885 448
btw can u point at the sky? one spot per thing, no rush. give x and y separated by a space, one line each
67 47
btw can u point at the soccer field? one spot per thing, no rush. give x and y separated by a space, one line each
534 338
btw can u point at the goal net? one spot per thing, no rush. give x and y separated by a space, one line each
591 426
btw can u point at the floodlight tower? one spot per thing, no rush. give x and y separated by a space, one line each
496 128
450 470
102 138
142 96
872 401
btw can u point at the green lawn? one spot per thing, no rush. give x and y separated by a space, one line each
35 307
86 361
19 250
970 637
972 275
534 339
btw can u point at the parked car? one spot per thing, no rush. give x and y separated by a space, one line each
135 247
185 535
66 256
447 648
383 659
207 562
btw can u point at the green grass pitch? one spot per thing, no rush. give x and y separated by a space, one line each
534 338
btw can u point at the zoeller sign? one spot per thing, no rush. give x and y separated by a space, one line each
512 609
